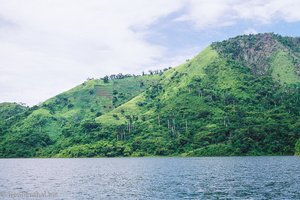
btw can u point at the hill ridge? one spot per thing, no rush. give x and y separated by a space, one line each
240 96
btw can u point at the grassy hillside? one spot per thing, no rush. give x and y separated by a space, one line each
55 118
8 110
9 113
237 97
283 69
94 97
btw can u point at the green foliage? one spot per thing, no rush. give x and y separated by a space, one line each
105 79
228 100
9 114
98 149
24 144
283 68
8 110
68 118
297 148
213 150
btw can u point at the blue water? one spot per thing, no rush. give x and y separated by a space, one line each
151 178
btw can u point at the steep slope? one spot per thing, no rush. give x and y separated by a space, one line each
8 114
94 97
265 54
8 110
57 118
237 97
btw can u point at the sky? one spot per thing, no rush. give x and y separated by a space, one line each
50 46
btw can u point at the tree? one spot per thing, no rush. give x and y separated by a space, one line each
142 84
105 79
297 148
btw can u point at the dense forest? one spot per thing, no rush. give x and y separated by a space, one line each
237 97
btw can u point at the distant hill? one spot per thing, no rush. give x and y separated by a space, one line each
240 96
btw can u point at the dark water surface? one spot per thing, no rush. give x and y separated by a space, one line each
151 178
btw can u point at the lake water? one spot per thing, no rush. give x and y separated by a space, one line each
151 178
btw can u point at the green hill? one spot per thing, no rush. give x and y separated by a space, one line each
74 108
237 97
8 114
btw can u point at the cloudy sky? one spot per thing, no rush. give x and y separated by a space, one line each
47 47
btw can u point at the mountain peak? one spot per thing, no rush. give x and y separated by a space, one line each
256 51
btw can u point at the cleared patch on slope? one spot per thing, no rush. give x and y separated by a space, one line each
283 69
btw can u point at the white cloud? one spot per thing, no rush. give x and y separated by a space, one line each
49 46
267 11
219 13
206 14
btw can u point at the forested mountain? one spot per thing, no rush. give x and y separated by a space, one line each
237 97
